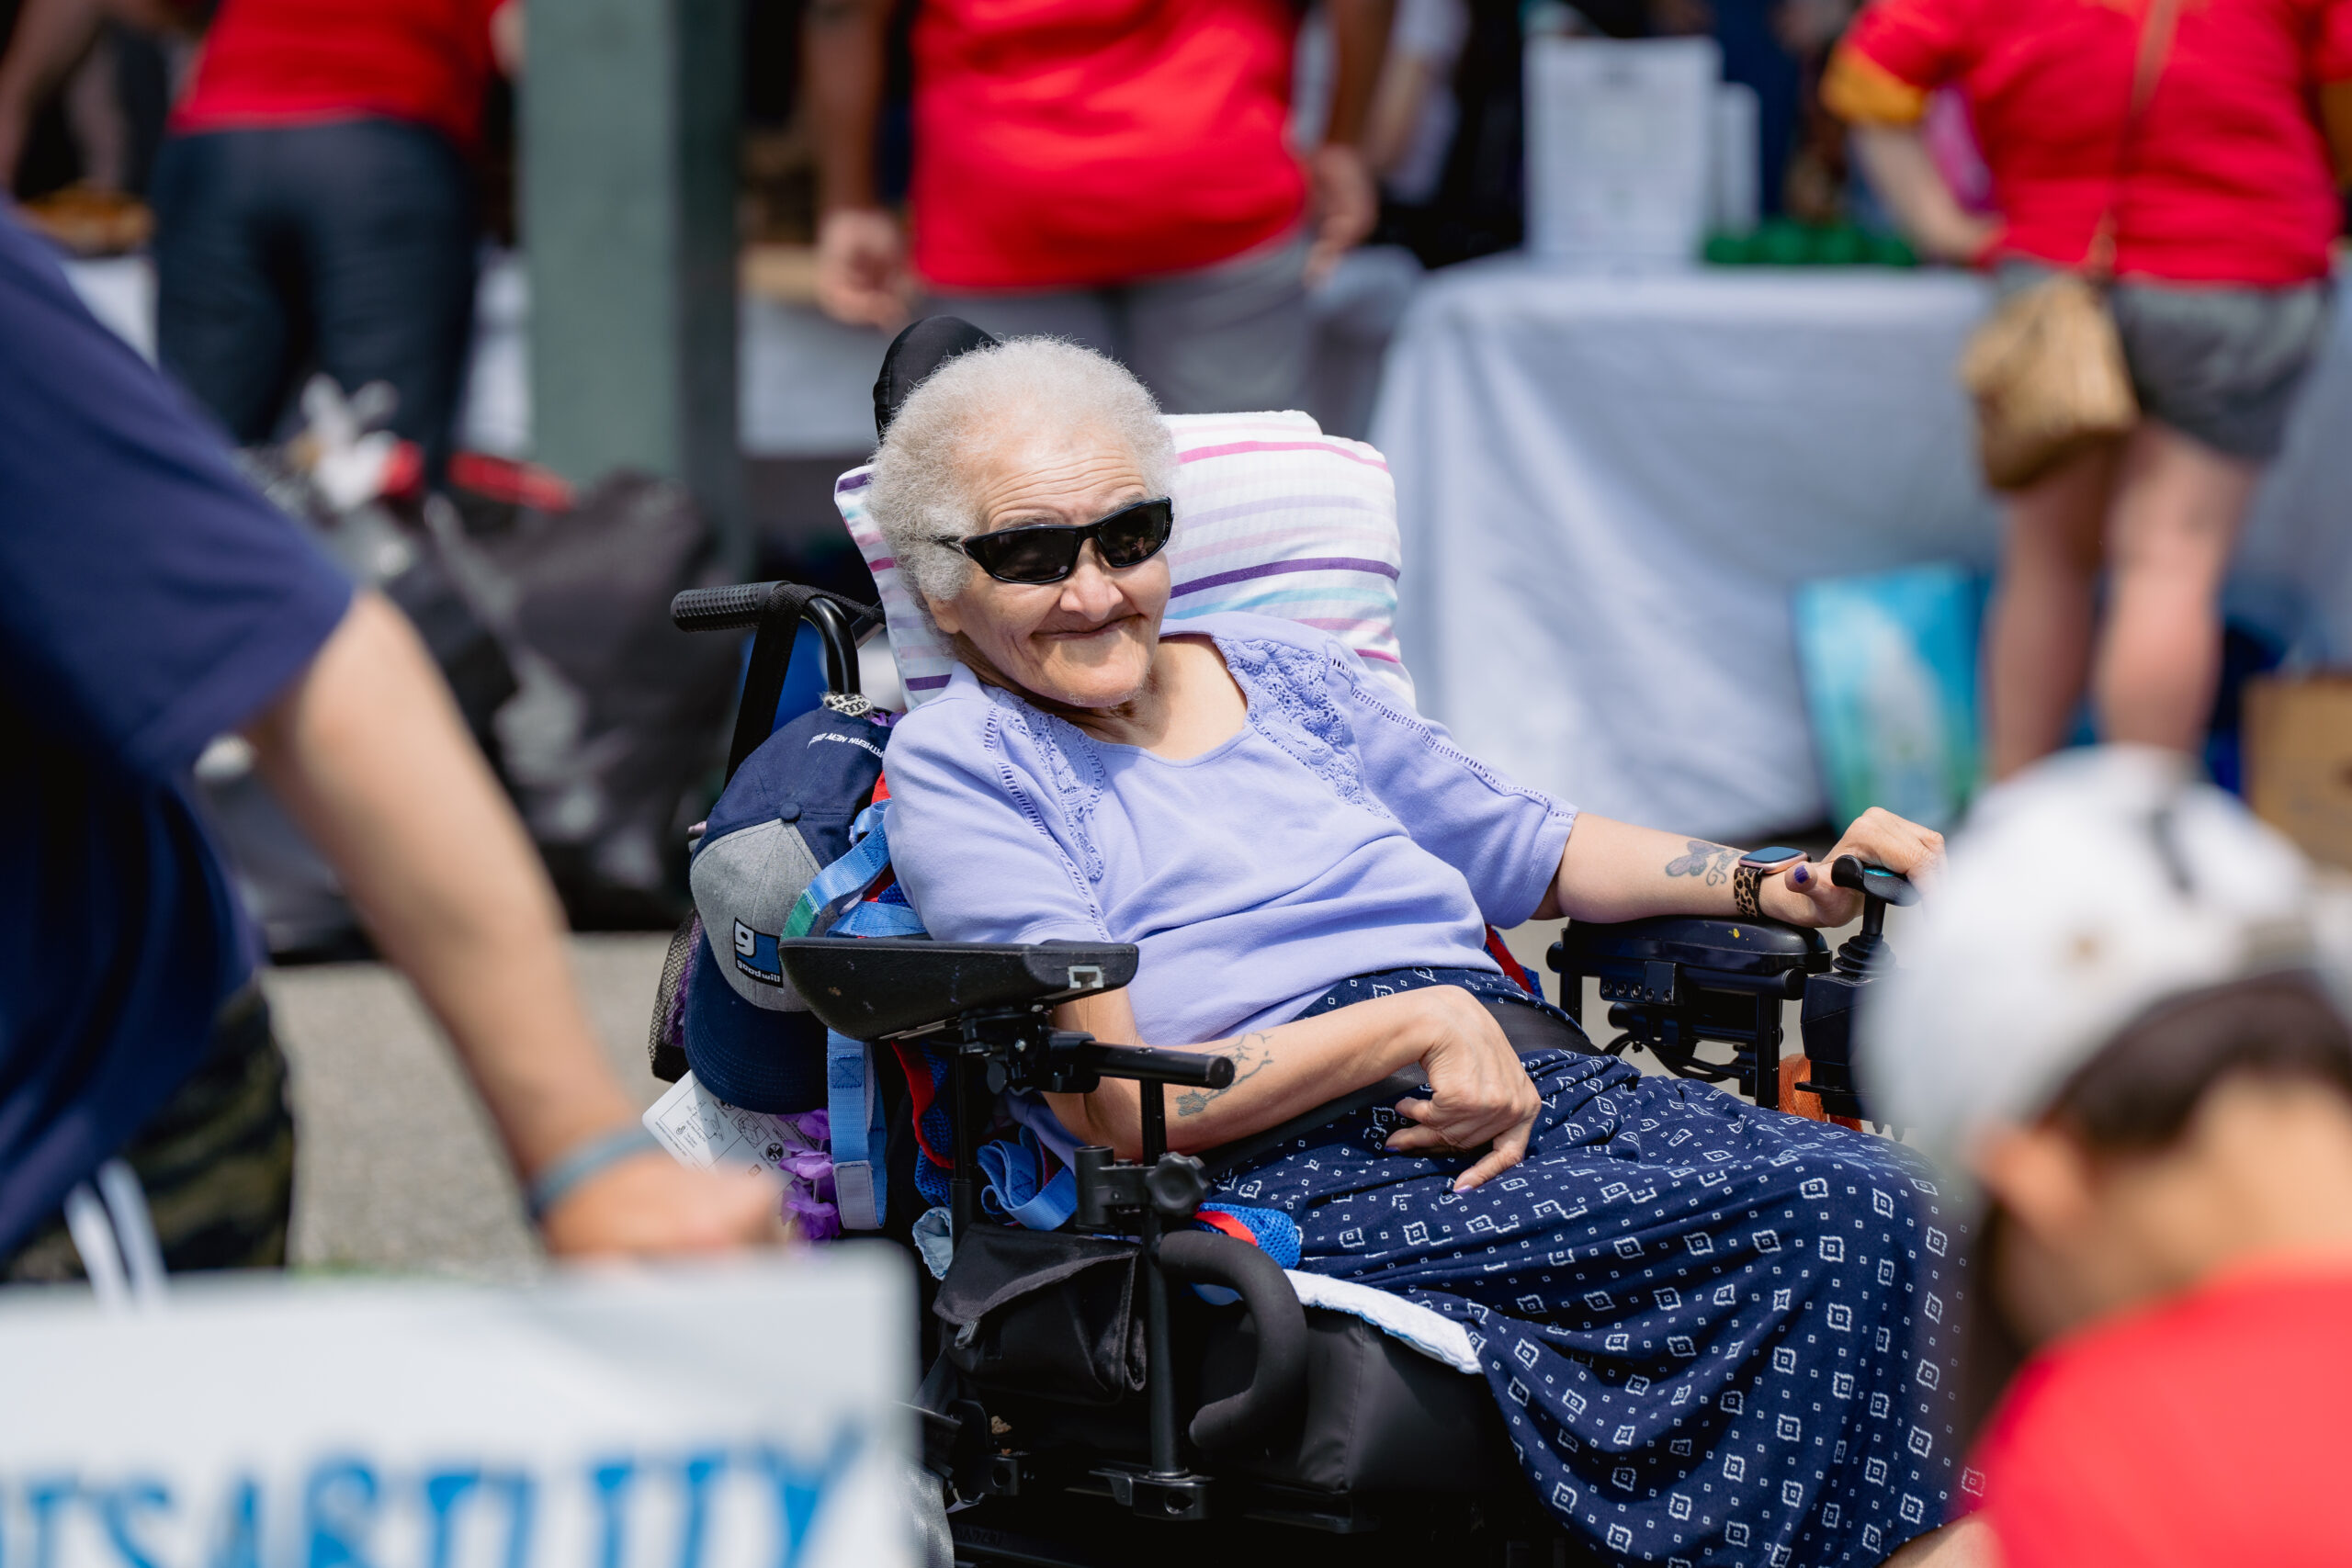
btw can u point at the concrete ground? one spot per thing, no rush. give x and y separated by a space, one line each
398 1169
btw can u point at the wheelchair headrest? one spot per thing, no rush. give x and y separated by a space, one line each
913 355
1273 516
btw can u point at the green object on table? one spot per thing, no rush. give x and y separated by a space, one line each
1840 245
1783 244
1784 241
1726 250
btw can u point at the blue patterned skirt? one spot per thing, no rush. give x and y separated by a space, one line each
1717 1335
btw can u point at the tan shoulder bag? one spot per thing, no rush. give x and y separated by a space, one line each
2047 368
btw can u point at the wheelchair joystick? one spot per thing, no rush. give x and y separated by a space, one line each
1828 1014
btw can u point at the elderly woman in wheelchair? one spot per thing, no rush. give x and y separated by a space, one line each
1712 1330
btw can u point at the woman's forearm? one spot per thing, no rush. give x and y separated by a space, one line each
1279 1073
1614 870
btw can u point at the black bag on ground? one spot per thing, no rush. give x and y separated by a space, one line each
618 716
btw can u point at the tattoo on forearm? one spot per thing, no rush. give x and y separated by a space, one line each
1250 1055
1712 861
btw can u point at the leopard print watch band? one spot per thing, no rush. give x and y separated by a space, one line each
1746 883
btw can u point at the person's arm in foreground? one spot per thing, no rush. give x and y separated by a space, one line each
862 275
1343 196
367 752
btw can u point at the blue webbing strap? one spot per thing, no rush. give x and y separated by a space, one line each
1011 1167
853 1108
846 877
854 1114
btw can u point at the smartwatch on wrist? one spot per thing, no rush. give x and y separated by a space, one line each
1747 877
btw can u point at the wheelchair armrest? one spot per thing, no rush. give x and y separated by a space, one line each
1278 1381
875 987
1636 961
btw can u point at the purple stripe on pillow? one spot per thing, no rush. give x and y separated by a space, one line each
848 482
1233 448
1275 569
927 683
881 564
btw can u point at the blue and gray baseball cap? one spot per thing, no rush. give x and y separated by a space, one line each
783 818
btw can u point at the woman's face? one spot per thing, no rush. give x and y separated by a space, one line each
1088 640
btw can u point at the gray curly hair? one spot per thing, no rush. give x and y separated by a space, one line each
920 490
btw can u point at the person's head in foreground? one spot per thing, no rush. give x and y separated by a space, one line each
1308 869
2120 1025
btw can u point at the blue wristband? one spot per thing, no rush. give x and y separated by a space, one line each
554 1184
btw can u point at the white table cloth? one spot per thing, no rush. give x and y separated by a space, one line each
1609 487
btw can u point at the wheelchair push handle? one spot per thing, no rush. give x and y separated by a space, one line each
719 609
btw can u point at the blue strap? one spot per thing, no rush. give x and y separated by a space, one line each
873 918
848 876
1011 1166
854 1112
852 1106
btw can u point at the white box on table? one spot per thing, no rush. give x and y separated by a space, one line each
1619 147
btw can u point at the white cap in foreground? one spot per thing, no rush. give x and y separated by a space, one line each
2082 894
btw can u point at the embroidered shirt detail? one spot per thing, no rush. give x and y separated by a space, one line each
1289 691
1076 818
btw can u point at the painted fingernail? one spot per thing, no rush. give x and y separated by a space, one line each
1800 876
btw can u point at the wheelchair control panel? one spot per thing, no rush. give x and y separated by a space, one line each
1674 983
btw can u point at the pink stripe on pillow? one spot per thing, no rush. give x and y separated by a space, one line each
1236 447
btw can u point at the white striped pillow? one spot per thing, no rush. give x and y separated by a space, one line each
1273 516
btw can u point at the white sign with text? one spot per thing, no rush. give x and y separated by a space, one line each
721 1416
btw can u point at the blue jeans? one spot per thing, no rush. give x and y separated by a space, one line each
347 245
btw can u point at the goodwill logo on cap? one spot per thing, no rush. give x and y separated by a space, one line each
2083 893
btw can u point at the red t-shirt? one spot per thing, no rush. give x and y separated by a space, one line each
2229 180
301 61
2213 1429
1061 143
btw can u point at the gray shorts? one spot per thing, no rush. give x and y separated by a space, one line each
2217 362
1228 338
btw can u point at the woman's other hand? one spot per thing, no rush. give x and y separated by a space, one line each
1803 894
1481 1097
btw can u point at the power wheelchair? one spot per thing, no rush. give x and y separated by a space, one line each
1084 1408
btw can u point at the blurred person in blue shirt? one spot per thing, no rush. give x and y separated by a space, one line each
152 602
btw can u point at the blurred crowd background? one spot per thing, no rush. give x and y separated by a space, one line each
1693 528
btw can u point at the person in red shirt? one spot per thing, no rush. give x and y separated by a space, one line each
313 199
2141 1079
2220 208
1112 171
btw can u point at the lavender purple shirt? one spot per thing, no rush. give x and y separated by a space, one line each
1337 834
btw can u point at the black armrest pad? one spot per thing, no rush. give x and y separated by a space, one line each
871 989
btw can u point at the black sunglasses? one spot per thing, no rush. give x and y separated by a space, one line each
1048 552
